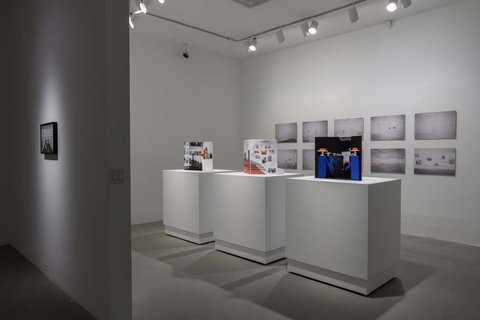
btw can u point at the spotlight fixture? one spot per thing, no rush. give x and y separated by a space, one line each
353 14
304 27
313 27
143 6
392 5
161 1
280 36
252 45
185 51
406 3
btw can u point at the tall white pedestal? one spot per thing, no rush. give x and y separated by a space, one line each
250 215
187 204
345 233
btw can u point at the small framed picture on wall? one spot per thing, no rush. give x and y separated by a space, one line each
49 138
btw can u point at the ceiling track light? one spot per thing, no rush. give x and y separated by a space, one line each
280 36
353 14
313 27
392 5
406 3
252 45
161 1
143 6
304 27
307 29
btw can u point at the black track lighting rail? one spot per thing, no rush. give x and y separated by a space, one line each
264 32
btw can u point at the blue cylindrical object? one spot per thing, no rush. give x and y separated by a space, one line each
321 167
355 168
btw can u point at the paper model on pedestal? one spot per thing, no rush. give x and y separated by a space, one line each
338 158
260 156
198 156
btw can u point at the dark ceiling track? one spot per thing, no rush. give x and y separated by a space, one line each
264 32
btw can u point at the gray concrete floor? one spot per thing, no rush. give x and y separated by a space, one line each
26 293
175 279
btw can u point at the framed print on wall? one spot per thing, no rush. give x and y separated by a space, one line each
436 125
388 128
387 161
49 138
286 132
435 161
287 159
313 129
348 127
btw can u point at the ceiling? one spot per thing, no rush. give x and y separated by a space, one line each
235 20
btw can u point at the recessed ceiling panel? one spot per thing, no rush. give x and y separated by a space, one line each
251 3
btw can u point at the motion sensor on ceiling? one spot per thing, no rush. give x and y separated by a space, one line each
185 51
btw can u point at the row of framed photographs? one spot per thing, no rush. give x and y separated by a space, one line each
428 161
428 126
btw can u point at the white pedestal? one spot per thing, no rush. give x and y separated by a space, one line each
187 204
250 215
345 233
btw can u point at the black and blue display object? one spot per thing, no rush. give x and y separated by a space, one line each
338 158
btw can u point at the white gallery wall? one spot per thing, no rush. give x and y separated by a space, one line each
174 100
69 63
425 63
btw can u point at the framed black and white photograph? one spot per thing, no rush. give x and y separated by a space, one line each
49 138
348 127
287 159
388 128
308 159
286 132
436 125
312 129
435 161
387 161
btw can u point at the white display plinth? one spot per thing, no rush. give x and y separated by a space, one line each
187 204
249 215
345 233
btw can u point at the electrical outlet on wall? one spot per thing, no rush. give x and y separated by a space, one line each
45 267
